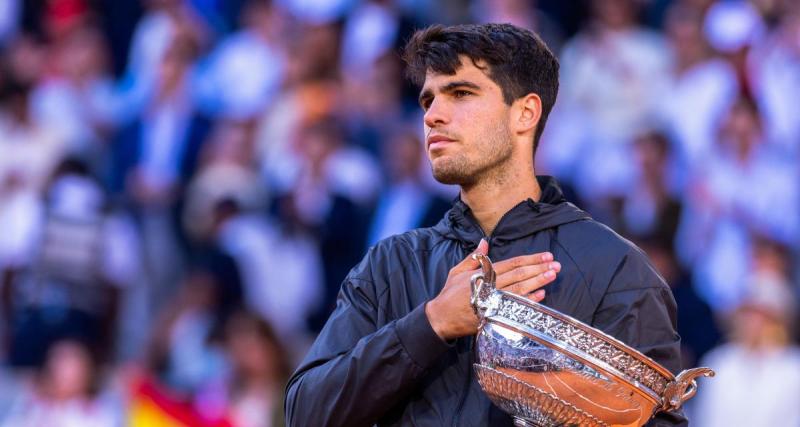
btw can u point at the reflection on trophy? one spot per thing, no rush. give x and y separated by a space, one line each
548 369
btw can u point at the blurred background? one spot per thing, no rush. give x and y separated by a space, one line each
185 183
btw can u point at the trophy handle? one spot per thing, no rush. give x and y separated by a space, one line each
482 284
683 388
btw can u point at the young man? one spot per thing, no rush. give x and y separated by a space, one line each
397 351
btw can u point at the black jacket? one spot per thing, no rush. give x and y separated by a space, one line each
378 361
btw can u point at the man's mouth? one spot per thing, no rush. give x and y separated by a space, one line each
436 141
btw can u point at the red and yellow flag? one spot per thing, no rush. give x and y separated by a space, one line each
152 406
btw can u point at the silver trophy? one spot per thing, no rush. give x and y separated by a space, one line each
547 369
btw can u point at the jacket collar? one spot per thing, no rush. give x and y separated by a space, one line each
526 218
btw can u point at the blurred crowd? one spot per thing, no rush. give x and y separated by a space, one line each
185 183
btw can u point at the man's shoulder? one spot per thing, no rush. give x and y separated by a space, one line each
397 251
416 240
591 237
604 255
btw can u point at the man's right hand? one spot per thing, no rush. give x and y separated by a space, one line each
451 314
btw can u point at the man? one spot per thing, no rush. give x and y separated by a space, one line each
398 348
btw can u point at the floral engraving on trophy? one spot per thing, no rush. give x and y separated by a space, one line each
583 341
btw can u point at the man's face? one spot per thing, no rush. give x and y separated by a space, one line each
467 136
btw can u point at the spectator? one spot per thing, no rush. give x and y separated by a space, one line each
777 77
154 157
371 32
245 71
226 170
650 210
524 14
734 28
183 353
66 393
30 149
252 394
406 202
158 152
745 188
375 93
613 72
83 255
76 95
758 371
702 87
282 271
697 324
330 196
164 23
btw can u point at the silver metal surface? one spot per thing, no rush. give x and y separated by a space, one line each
548 369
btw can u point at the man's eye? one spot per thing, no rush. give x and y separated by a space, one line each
461 93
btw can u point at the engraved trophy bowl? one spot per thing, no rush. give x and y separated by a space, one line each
546 369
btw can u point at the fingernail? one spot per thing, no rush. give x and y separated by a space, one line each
555 266
549 274
547 256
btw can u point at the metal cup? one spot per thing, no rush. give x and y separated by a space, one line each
548 369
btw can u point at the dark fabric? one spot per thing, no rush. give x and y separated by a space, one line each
437 207
341 243
378 361
696 323
228 287
35 329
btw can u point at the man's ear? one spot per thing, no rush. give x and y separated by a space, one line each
528 112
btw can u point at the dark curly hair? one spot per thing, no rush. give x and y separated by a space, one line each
517 59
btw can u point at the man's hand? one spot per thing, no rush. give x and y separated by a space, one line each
451 314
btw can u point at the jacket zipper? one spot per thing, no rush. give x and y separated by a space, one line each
474 222
470 353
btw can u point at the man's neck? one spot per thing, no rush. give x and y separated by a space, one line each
489 201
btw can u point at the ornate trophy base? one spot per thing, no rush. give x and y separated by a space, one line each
530 406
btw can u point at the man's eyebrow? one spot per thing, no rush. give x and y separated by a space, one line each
427 93
459 84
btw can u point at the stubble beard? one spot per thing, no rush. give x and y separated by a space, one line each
493 150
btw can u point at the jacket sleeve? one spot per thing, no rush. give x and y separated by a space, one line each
639 309
357 370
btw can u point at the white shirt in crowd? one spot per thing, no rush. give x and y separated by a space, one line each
750 389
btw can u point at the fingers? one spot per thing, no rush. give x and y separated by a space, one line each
520 261
483 247
526 272
531 284
469 263
537 296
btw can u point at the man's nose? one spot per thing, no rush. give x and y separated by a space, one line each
436 114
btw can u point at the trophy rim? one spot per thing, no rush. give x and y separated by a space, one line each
487 276
578 354
597 333
634 367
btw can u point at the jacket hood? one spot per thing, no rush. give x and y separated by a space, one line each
524 219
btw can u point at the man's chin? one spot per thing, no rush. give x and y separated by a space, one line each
448 177
451 170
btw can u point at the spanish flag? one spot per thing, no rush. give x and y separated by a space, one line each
152 406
